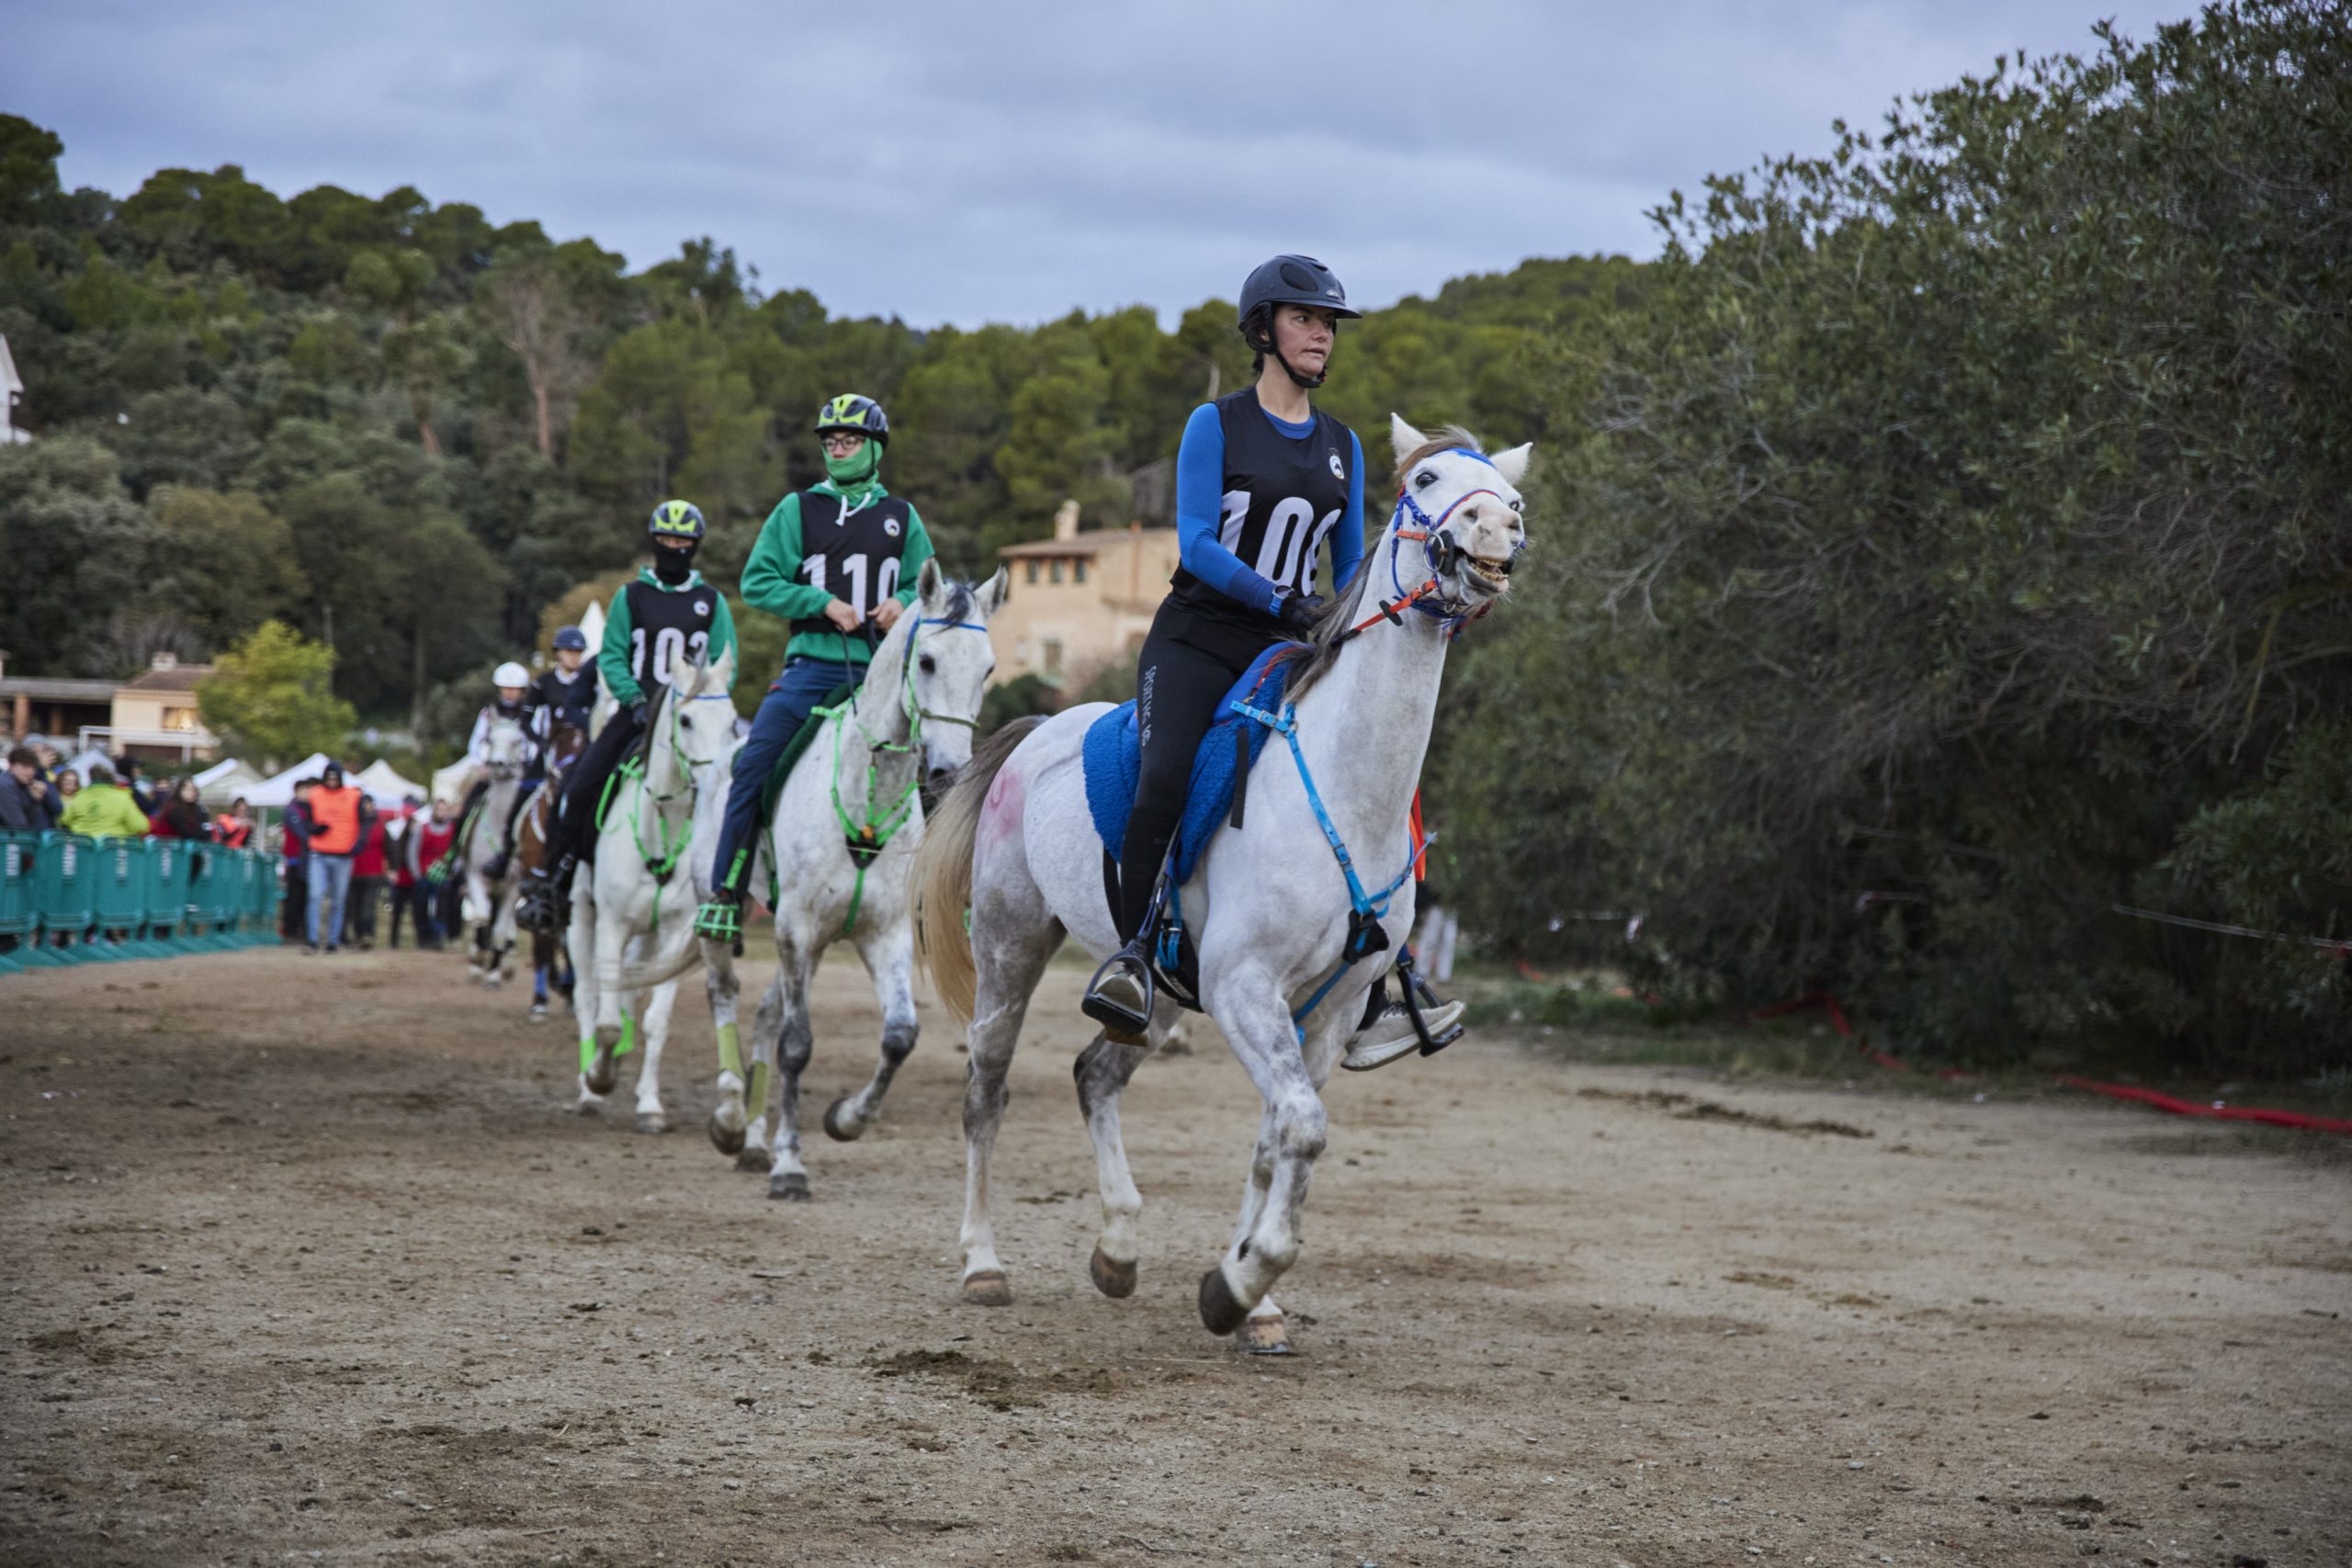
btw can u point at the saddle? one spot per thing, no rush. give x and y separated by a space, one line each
1112 755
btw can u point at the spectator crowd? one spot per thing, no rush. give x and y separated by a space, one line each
346 864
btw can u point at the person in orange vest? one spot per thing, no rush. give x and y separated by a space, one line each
339 817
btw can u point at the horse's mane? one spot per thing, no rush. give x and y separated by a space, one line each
1313 660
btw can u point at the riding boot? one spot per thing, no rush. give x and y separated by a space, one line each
545 892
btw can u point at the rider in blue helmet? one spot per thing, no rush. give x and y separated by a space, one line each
1264 481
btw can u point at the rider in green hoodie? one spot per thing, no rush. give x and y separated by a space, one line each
839 560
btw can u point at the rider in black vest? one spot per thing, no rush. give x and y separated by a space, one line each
660 626
1263 480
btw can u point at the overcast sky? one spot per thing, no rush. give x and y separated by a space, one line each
1011 159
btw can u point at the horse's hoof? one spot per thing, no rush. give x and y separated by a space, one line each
1221 1311
754 1159
988 1288
1114 1279
839 1128
538 1012
791 1186
725 1139
652 1121
1262 1337
601 1075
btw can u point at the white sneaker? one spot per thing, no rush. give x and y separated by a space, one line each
1392 1035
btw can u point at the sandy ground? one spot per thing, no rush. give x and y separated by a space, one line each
305 1262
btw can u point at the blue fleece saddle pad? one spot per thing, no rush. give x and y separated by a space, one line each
1114 760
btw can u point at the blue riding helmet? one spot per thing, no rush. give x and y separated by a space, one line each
571 637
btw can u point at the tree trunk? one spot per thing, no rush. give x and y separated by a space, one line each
542 396
426 437
416 690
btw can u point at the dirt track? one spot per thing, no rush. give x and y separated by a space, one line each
305 1263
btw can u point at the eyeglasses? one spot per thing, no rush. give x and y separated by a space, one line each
841 446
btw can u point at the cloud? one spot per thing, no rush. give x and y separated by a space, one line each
955 163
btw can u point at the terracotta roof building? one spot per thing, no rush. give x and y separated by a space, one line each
1080 600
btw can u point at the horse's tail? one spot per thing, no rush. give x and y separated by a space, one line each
942 877
665 966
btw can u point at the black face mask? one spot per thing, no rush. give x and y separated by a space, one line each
674 567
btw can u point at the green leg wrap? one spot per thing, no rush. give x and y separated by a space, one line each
731 1050
628 1035
587 1053
758 1097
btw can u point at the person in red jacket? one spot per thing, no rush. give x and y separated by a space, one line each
367 886
429 838
235 827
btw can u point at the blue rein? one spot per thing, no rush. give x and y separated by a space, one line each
1368 909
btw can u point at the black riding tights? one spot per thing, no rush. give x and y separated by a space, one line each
583 783
1177 688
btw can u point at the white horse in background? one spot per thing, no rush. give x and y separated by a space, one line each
1013 852
860 782
639 895
489 905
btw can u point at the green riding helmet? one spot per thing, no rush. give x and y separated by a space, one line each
676 520
852 411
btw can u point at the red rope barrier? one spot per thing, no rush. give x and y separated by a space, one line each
2216 1110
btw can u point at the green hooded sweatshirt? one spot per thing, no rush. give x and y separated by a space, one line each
771 576
618 659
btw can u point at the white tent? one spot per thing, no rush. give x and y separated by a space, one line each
277 791
224 782
87 761
384 786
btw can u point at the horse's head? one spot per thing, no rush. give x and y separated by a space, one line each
949 663
1467 506
506 748
697 716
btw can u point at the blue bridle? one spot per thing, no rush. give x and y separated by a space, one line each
1440 550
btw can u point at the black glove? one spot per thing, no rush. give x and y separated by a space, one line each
637 712
1299 611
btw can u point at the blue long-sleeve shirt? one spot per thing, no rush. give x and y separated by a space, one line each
1200 503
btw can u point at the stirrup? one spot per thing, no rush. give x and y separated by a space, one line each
1124 1021
535 905
721 919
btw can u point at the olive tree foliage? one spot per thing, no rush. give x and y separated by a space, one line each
1955 533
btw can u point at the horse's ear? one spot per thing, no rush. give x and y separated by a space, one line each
994 592
1404 437
929 580
720 676
1512 464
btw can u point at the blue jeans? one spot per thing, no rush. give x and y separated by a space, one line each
791 699
329 874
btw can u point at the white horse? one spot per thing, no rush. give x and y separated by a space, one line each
858 784
489 905
1014 845
639 895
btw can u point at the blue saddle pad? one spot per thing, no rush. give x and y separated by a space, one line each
1113 760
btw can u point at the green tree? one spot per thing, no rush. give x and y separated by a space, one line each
271 697
226 562
77 547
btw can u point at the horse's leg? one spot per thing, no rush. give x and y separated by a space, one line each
1249 1010
720 984
1263 1332
611 940
1102 1070
585 1000
788 1178
757 1153
889 955
1009 949
653 1032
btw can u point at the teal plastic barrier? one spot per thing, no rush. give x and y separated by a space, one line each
68 899
64 876
20 916
166 894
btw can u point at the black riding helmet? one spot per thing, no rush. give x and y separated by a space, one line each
858 414
1289 280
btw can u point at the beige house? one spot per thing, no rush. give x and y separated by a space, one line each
1080 600
154 715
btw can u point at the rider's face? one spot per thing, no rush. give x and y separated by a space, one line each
1304 333
510 695
567 659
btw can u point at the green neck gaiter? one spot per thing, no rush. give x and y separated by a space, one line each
854 470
